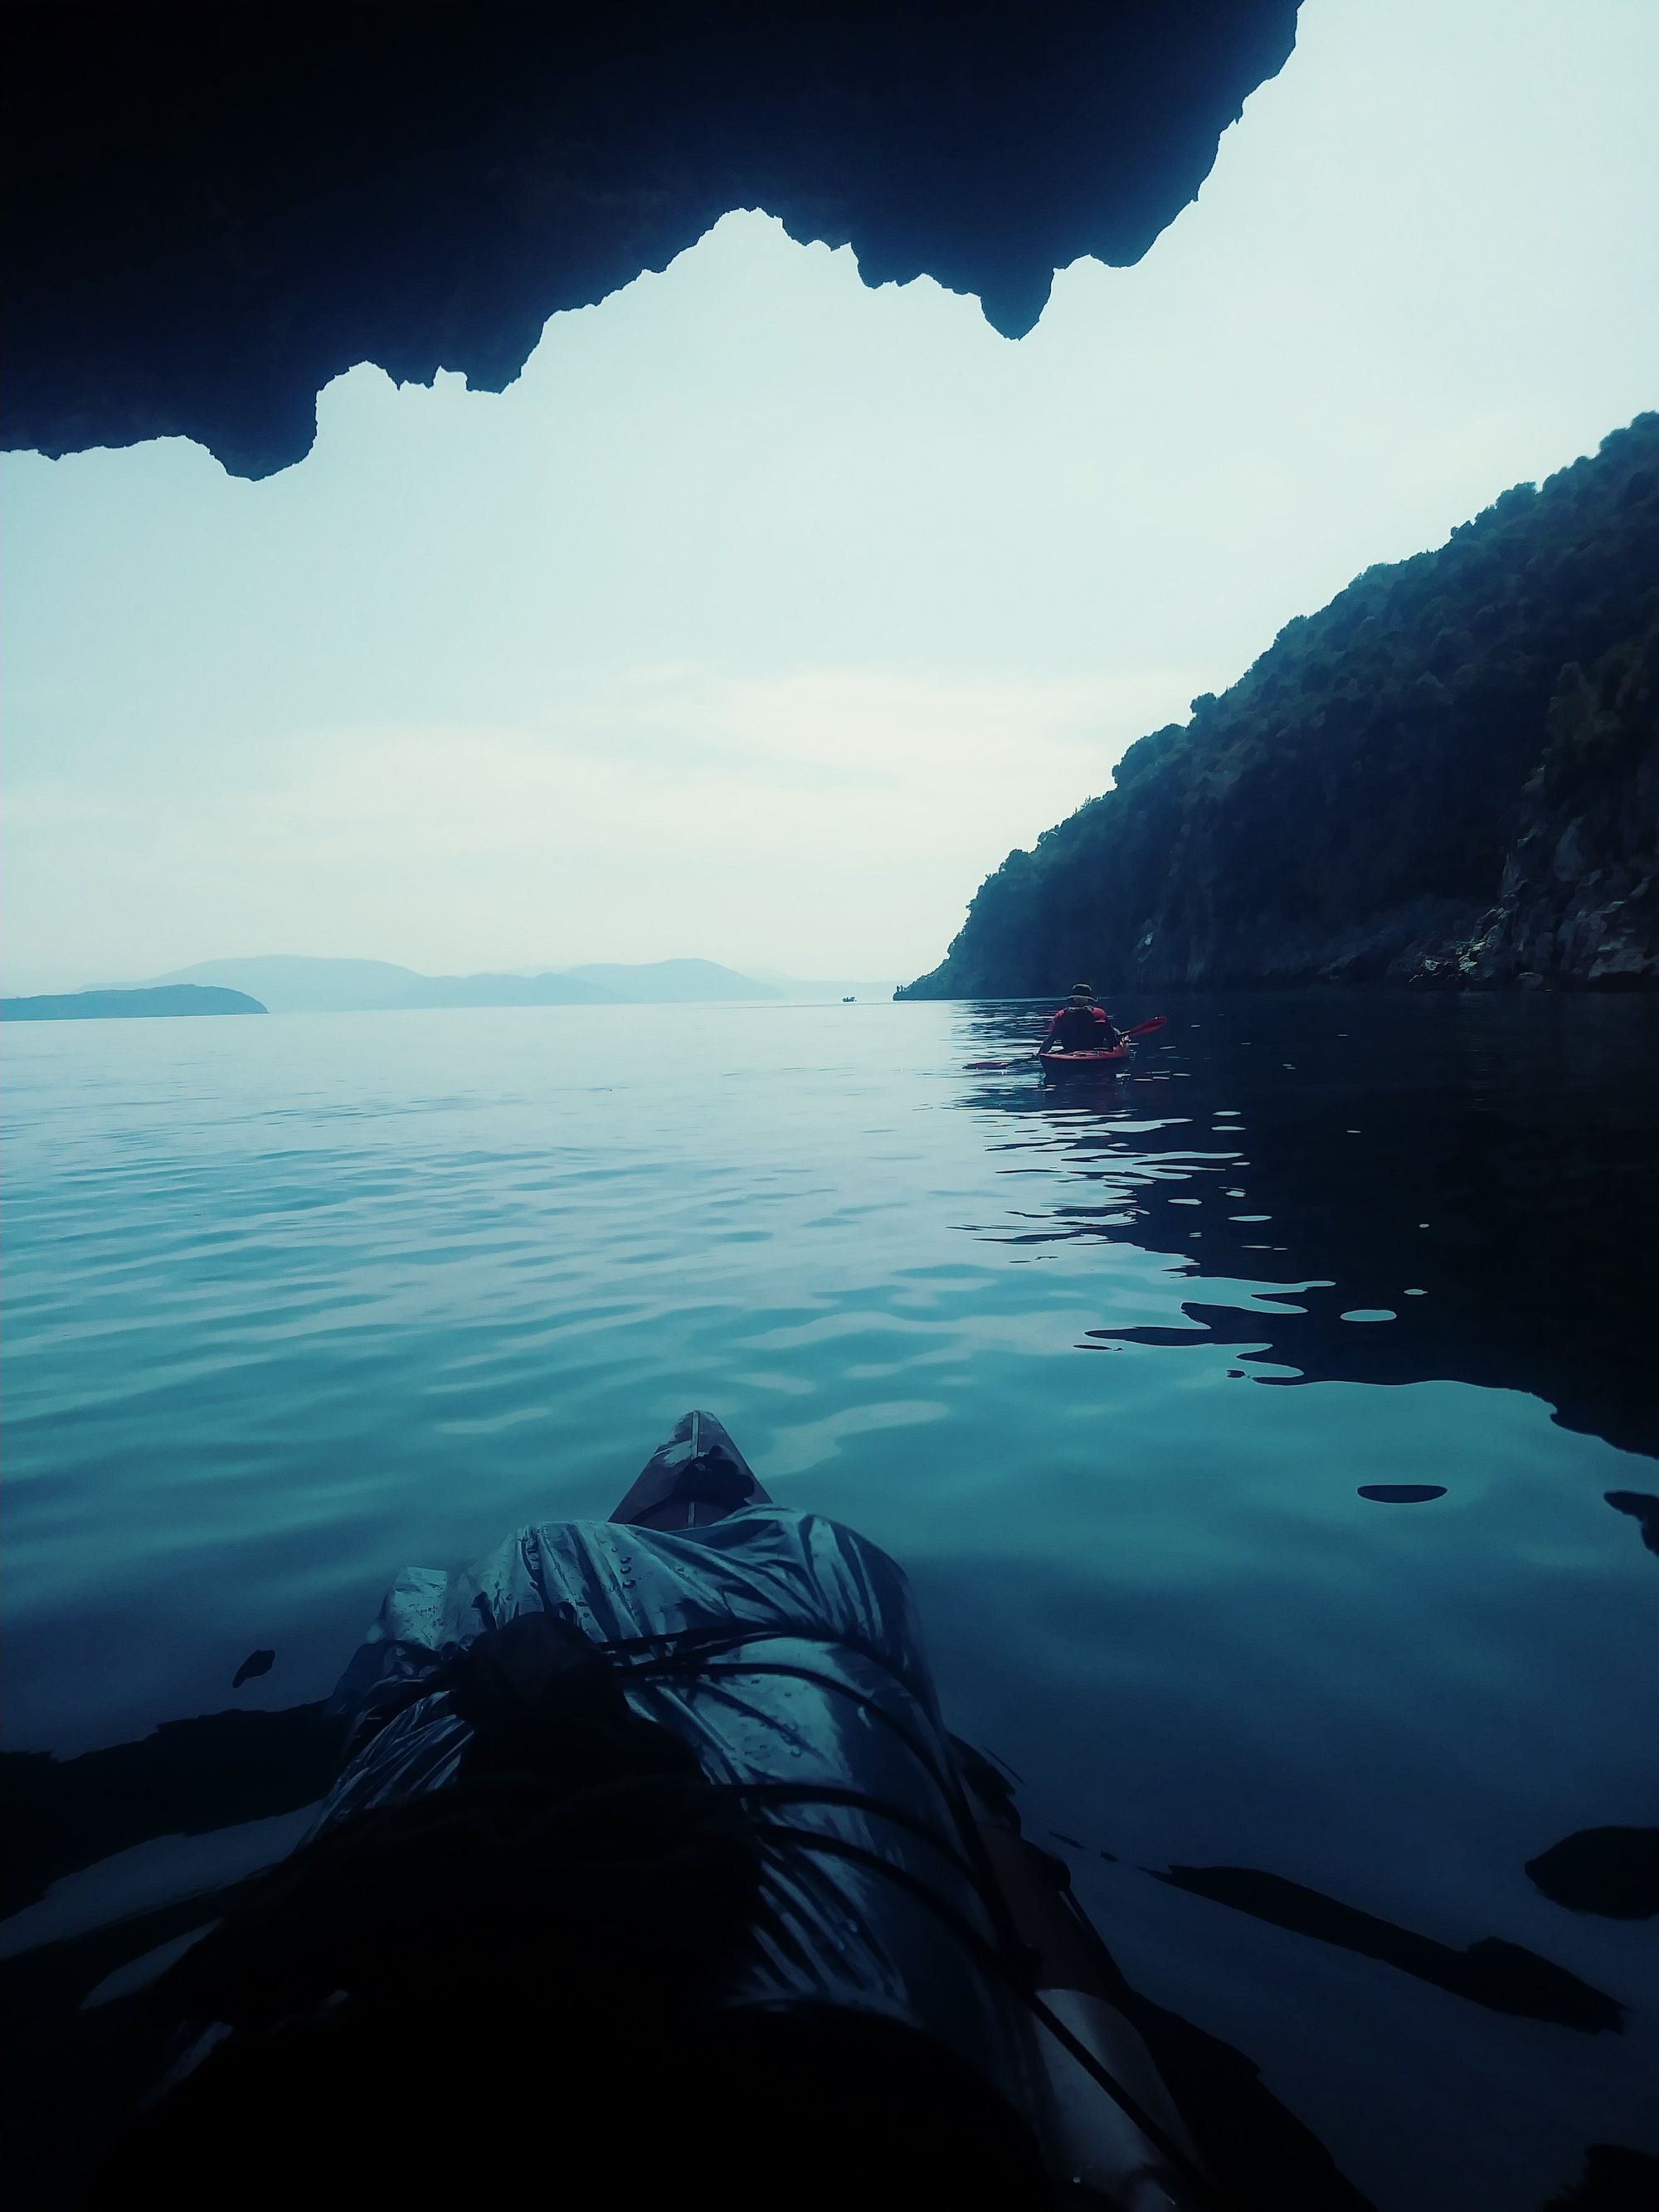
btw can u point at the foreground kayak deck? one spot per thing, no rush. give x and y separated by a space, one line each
1082 2037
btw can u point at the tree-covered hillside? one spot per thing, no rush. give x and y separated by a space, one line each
1449 773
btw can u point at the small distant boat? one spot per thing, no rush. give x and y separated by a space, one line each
849 1001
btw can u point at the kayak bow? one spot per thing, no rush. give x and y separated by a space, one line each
1101 2108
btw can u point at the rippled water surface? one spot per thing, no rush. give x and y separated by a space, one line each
1118 1369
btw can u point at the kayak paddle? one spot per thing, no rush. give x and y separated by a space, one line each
991 1067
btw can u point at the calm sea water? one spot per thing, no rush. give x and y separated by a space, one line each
291 1303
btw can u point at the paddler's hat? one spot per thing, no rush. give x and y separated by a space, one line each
1083 994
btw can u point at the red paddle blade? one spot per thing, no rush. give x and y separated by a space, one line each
1146 1028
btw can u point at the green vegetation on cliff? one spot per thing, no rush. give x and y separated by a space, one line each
1449 773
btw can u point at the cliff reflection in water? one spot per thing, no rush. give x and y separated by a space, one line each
1459 1188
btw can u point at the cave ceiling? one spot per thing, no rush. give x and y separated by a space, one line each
214 208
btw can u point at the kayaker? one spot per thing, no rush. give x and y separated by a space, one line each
1081 1026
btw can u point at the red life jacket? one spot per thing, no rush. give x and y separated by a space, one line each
1081 1028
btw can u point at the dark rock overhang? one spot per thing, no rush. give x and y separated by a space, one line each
215 208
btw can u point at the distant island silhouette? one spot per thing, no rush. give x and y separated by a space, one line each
167 999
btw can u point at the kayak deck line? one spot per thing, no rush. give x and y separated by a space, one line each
1109 2122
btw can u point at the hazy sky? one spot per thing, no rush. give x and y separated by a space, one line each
765 612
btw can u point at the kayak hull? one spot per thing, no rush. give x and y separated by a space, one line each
1066 1063
699 1477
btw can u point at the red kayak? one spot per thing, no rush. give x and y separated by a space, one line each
1109 1056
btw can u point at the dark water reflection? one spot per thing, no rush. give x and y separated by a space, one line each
1480 1172
1385 1192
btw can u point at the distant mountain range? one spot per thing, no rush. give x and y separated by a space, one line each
289 983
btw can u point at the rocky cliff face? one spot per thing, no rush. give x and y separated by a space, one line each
1451 774
1579 901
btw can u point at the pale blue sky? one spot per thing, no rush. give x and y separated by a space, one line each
765 612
